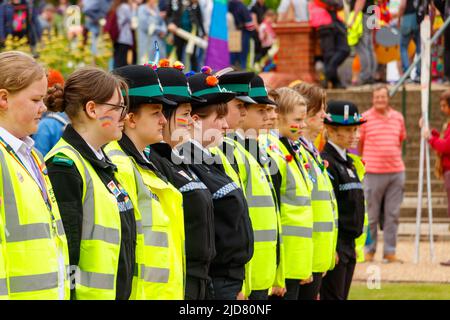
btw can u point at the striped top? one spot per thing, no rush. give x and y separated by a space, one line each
381 139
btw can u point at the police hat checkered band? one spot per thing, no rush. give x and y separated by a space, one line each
193 186
350 186
222 192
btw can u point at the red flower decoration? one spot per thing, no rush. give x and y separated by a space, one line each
307 166
212 81
178 65
164 63
288 157
363 162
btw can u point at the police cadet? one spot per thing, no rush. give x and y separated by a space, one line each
160 261
251 163
342 124
197 199
233 229
323 200
293 188
34 255
97 212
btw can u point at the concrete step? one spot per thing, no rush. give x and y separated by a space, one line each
411 212
436 185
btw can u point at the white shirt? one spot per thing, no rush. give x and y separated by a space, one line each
342 152
98 154
22 147
199 145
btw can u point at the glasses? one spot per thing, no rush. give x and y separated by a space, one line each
122 106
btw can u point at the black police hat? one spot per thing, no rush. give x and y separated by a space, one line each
144 85
205 86
175 85
239 83
258 91
343 113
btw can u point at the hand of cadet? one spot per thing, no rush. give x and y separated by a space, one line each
306 281
421 122
337 258
425 133
241 296
278 291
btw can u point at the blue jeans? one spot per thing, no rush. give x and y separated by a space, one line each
226 288
94 28
409 30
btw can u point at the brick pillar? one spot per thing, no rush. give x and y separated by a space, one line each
295 57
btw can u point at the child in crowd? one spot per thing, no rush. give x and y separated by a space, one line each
266 33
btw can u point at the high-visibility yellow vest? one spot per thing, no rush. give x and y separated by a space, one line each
296 213
361 240
3 284
264 218
34 244
160 258
229 170
324 206
96 273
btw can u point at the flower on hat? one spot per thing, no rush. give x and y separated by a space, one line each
190 74
151 64
212 81
164 63
178 65
206 70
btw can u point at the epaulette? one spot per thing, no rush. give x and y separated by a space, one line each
62 160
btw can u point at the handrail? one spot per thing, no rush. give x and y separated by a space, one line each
415 62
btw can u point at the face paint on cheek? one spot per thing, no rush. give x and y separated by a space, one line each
182 122
106 121
294 128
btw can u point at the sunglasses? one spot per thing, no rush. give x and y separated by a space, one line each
122 106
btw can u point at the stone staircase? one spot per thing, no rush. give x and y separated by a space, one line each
362 96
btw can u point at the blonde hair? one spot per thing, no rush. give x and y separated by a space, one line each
314 95
18 71
287 99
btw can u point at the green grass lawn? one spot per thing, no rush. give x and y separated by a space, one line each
400 291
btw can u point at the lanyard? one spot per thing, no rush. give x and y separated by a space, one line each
16 157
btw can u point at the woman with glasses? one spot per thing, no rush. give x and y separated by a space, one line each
160 255
96 211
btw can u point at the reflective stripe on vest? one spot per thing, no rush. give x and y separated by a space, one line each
265 235
16 231
153 274
33 283
94 279
145 196
3 287
90 230
252 199
290 197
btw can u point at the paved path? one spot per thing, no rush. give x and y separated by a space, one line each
425 271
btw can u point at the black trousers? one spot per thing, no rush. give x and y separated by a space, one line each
120 54
259 295
335 49
311 290
198 289
336 283
180 45
226 288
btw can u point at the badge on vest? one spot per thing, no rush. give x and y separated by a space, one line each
350 173
113 188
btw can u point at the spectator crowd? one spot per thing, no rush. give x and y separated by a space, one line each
382 37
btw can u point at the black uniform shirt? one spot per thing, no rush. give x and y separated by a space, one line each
198 209
68 188
349 193
233 229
